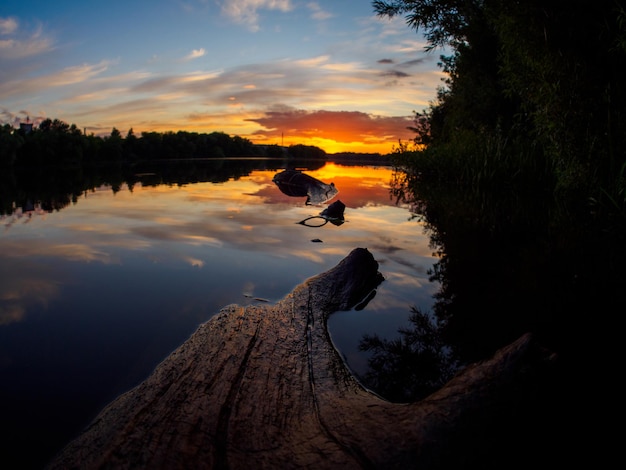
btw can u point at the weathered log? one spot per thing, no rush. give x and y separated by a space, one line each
263 387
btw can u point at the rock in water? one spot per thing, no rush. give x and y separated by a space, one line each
297 184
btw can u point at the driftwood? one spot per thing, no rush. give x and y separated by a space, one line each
263 387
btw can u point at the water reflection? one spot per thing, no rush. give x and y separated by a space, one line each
26 286
117 269
511 264
334 214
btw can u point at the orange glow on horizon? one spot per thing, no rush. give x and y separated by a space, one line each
331 131
331 146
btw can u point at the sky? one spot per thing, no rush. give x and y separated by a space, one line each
326 73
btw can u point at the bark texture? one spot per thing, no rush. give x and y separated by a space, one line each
263 387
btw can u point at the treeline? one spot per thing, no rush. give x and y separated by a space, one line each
54 187
534 100
55 142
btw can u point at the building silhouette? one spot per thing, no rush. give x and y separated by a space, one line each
27 126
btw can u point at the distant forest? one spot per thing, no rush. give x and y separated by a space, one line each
55 142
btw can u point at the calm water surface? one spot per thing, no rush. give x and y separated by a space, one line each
95 295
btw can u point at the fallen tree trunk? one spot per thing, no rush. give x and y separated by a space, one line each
263 387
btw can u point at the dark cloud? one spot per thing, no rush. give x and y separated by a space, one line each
385 61
411 63
15 119
395 74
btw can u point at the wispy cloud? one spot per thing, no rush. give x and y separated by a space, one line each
16 44
8 25
196 53
77 74
313 61
67 76
317 13
247 11
363 85
395 74
308 98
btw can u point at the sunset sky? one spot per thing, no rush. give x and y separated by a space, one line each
325 73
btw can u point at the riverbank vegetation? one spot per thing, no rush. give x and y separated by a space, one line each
534 101
518 173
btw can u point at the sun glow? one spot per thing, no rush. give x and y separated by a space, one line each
332 171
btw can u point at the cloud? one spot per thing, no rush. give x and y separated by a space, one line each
317 13
340 126
368 71
77 74
25 285
246 11
8 25
411 63
395 73
235 100
67 76
17 46
196 53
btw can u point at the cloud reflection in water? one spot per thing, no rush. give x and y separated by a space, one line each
96 294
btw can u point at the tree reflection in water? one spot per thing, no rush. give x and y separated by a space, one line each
508 264
411 366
